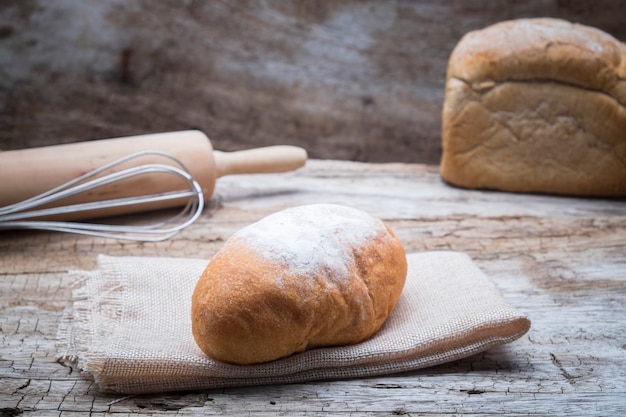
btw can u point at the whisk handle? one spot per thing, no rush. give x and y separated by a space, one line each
260 160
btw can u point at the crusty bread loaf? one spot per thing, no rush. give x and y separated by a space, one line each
536 105
309 276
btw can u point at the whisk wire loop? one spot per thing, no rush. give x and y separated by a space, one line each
16 216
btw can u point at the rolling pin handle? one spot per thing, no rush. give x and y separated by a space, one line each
267 159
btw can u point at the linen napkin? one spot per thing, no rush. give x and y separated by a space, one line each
130 327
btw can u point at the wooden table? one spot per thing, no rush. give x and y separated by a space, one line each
560 260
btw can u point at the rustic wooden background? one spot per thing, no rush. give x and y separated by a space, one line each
347 79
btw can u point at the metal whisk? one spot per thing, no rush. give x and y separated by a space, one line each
28 214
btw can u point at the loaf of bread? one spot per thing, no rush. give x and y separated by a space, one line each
536 105
305 277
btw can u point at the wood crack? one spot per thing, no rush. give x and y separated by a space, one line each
569 377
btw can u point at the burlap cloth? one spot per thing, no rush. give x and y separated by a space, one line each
130 327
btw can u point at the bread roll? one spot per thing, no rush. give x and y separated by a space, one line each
536 105
305 277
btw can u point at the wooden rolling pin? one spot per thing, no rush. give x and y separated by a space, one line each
29 172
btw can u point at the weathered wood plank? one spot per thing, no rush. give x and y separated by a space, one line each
359 80
560 260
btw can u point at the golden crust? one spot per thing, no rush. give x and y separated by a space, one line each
536 105
249 309
542 49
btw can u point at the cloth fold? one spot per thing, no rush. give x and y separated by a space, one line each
130 327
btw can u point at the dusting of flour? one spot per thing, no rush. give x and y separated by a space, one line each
313 238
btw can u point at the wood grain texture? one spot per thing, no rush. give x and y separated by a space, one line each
358 80
562 261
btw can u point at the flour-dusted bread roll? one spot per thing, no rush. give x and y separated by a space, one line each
305 277
536 105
